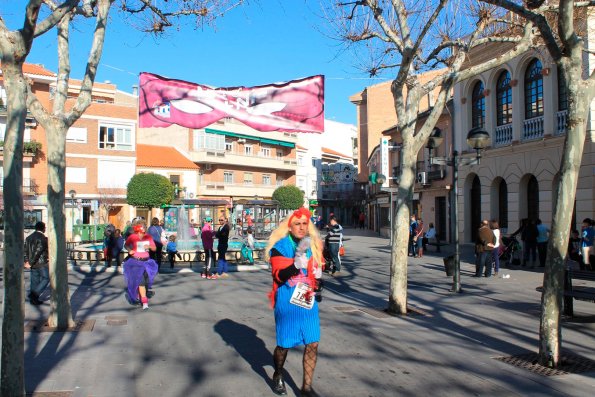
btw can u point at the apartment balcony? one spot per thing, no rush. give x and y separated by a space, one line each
30 188
533 129
220 188
503 135
241 159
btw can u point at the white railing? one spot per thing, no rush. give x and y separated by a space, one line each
561 122
503 135
533 128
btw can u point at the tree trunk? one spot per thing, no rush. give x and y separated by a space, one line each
397 302
550 335
60 316
13 377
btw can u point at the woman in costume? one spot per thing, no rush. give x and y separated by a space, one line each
139 268
295 253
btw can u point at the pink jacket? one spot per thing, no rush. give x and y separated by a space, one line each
207 234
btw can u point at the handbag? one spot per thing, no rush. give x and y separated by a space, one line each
341 251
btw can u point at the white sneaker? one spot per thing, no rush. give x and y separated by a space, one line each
145 306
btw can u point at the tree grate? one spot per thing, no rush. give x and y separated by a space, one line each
42 326
379 312
50 394
570 364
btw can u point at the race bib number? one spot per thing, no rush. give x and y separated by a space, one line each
142 246
302 296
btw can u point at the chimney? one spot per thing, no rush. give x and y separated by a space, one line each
135 90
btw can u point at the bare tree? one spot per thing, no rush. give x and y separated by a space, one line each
14 48
412 37
563 30
109 198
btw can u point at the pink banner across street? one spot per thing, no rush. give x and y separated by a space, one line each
296 106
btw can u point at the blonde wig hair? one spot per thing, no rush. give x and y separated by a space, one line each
283 230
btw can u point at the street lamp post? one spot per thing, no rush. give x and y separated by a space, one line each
478 139
72 194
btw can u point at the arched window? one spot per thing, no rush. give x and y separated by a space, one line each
504 99
562 92
503 203
478 106
533 90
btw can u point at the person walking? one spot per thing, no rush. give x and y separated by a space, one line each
483 249
543 235
139 269
36 258
222 236
207 235
294 251
418 239
495 226
334 238
412 233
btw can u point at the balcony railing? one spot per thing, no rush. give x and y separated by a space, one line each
533 129
29 186
561 122
503 135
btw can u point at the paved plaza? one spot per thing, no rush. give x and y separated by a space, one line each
214 338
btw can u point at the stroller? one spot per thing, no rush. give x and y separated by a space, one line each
510 251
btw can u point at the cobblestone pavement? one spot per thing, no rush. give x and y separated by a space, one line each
215 337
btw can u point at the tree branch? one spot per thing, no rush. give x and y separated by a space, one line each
56 16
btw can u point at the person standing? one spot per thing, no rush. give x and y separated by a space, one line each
116 246
529 237
587 242
496 251
543 233
418 239
412 233
334 238
222 244
362 219
139 269
207 235
295 254
172 251
483 249
37 259
158 235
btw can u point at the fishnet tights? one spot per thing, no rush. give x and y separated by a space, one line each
310 357
279 356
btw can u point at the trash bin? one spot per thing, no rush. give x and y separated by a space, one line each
449 265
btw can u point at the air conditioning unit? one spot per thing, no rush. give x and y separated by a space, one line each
241 140
422 178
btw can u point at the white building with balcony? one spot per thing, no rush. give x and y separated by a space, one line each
522 105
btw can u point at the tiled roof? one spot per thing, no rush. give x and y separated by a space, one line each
334 153
162 157
39 70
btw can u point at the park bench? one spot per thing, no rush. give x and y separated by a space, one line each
578 292
436 243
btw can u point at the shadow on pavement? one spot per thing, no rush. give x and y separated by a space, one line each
252 349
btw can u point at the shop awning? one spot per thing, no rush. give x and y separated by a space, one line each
267 141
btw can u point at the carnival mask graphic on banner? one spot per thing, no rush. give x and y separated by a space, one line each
297 105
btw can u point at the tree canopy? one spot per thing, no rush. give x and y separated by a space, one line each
290 197
149 190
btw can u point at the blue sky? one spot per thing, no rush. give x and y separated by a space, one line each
259 43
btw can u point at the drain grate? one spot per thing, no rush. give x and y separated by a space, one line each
42 326
570 364
50 394
117 320
346 309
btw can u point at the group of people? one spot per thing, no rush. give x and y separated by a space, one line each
208 235
419 237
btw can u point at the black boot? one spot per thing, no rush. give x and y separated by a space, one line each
279 384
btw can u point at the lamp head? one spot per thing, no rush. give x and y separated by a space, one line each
435 138
72 193
478 138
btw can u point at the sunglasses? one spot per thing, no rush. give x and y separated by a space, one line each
221 220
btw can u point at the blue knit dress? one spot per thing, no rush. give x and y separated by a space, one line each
295 325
